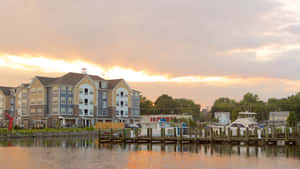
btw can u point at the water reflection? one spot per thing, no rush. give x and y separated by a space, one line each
89 153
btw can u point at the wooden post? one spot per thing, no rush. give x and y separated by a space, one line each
266 133
247 134
163 134
175 132
229 134
273 132
238 132
150 130
99 135
200 132
286 133
196 135
180 132
124 135
211 134
111 134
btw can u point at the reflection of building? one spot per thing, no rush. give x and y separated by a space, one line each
74 99
223 118
278 118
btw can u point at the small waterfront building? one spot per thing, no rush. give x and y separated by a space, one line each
223 118
168 117
278 119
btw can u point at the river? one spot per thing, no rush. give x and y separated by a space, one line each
86 153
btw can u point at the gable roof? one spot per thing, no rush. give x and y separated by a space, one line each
6 90
73 78
46 80
113 83
69 79
95 77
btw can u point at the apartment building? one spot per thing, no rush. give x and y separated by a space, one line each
72 100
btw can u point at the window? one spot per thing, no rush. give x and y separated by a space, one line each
91 102
80 101
126 104
86 91
118 113
63 100
104 95
122 94
86 111
80 90
80 112
39 110
40 90
91 112
91 92
70 111
70 100
122 112
104 104
122 103
86 101
63 110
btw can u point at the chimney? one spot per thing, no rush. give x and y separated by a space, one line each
84 71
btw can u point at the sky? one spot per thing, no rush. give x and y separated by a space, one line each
195 49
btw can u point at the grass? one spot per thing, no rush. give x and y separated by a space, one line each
45 130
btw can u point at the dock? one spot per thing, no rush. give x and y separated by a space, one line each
257 136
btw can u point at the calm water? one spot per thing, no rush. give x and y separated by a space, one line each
85 153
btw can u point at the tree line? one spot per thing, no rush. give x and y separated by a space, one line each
252 103
166 104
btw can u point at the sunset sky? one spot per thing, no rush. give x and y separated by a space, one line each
196 49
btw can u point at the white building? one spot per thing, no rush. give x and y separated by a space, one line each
223 118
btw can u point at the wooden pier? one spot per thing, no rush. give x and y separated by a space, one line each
203 135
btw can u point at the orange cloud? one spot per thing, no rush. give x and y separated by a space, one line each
44 64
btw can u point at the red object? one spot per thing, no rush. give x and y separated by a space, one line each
10 124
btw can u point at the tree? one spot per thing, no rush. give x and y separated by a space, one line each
292 119
165 104
146 106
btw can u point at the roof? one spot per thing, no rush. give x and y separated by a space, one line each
73 78
95 77
69 79
46 80
5 90
113 83
247 113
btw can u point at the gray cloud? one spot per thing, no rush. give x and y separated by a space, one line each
170 36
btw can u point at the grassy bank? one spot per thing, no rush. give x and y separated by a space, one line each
4 132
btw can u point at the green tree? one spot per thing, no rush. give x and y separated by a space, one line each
292 119
146 106
165 104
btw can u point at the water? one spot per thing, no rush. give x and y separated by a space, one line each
86 153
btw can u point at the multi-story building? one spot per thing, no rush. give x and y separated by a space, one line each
5 104
74 99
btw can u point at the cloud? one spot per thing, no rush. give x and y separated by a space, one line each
172 36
